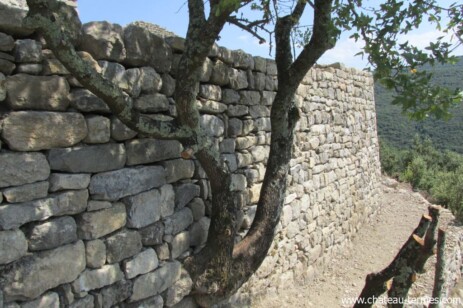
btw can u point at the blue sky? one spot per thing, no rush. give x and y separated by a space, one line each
173 16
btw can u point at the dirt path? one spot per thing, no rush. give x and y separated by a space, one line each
372 249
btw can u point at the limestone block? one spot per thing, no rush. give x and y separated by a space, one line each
260 153
88 159
153 234
242 60
179 290
64 181
198 208
12 14
168 85
67 203
34 131
220 74
238 79
235 127
206 70
48 300
6 67
86 302
92 279
152 302
53 67
52 268
29 69
199 231
150 80
121 245
113 72
144 47
162 251
22 168
28 51
144 208
245 142
152 103
92 225
95 253
178 221
144 262
144 151
37 92
184 193
259 111
263 124
271 67
211 107
230 96
116 293
180 243
178 169
85 101
52 233
212 125
256 81
227 146
98 205
114 185
210 91
16 243
230 160
225 55
238 182
271 83
243 159
6 42
237 110
131 82
103 40
120 131
98 129
250 98
260 64
26 192
156 282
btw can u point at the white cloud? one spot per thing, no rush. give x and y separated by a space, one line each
344 52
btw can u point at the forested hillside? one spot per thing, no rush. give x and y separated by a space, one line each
399 131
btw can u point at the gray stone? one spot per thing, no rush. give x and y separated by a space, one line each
225 55
146 48
197 207
227 146
86 302
144 262
178 169
98 205
211 107
51 268
16 243
230 96
271 83
114 185
150 80
180 289
143 209
250 98
153 234
245 142
120 131
90 159
26 192
12 14
113 72
130 82
22 168
122 245
235 127
37 92
162 251
186 302
263 124
2 87
243 159
29 68
238 182
53 67
152 103
152 302
180 243
176 43
260 153
271 67
184 193
199 231
238 79
6 67
98 129
144 151
260 64
220 74
52 233
242 60
230 160
92 225
64 181
259 111
103 40
156 282
210 91
34 131
95 253
206 70
67 203
28 51
168 85
212 125
237 110
48 300
178 221
116 293
85 101
92 279
6 42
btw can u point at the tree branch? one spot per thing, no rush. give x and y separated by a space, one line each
248 28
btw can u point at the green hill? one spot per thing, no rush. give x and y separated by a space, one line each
399 131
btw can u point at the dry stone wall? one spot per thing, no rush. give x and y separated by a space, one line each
93 214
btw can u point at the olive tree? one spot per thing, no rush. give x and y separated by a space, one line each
222 266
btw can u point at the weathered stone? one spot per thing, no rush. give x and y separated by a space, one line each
260 153
2 87
14 246
235 127
86 302
186 302
152 103
237 110
178 169
243 159
103 40
176 43
179 290
37 92
130 82
180 243
67 203
85 101
220 74
250 97
64 181
6 42
184 194
53 67
206 70
254 193
22 168
153 234
6 67
114 185
230 160
92 225
154 283
92 279
245 142
152 302
178 221
12 14
197 207
212 125
199 231
26 192
98 205
268 98
34 131
113 72
95 253
263 124
238 182
90 159
242 60
98 129
211 107
162 251
124 244
28 51
120 131
271 67
238 79
150 80
210 91
144 262
259 111
260 64
51 268
230 96
116 293
168 85
52 233
29 68
227 146
144 151
144 47
143 209
48 300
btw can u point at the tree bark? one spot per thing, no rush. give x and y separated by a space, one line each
439 277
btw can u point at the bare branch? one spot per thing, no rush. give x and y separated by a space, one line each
248 28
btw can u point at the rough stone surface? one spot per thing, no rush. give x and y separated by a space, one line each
64 181
124 244
52 233
103 40
184 193
16 243
178 222
152 103
180 243
48 300
116 293
6 67
114 185
143 209
34 131
98 129
95 253
212 125
51 268
150 80
199 231
26 192
12 14
197 208
144 262
28 51
178 169
144 151
153 234
179 290
6 42
86 302
96 224
120 131
92 279
85 101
